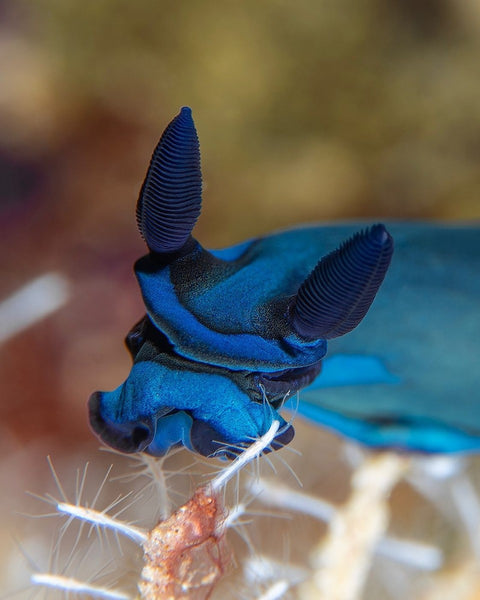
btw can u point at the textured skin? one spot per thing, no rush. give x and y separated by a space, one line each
208 367
420 390
171 195
230 334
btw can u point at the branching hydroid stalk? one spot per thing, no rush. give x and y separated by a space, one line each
67 584
186 555
275 591
245 457
344 558
234 514
99 518
281 496
415 554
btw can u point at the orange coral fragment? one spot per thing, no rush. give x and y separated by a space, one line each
186 554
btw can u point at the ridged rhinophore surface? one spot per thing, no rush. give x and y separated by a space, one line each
338 293
171 196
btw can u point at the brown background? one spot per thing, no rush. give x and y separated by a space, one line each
316 110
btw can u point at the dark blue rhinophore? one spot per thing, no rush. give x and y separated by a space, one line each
339 291
408 377
230 334
171 195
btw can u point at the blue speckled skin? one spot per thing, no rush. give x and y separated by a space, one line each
230 321
420 391
407 377
157 383
230 334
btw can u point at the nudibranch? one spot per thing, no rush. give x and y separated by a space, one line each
228 334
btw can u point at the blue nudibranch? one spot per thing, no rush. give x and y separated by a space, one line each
228 334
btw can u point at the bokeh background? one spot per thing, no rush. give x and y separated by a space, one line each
317 110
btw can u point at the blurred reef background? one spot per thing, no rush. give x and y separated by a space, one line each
318 110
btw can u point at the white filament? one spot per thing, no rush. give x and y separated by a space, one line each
99 518
68 584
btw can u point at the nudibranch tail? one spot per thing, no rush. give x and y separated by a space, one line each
171 196
339 291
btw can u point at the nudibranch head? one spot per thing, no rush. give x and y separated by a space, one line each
229 334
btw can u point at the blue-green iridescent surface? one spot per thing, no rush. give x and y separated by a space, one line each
409 375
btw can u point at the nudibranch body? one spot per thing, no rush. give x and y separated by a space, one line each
408 377
229 334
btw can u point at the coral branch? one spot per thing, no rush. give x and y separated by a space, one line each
343 560
187 554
